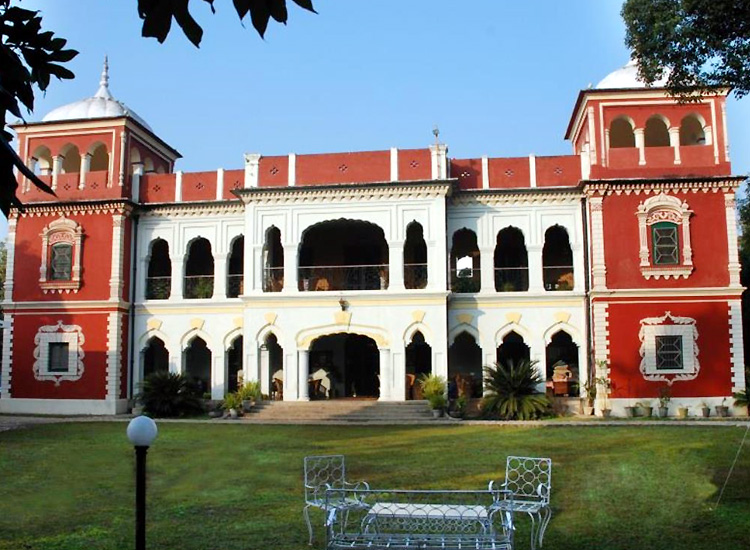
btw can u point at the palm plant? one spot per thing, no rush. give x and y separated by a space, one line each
512 391
165 394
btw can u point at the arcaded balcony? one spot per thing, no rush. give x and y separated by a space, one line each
511 261
557 260
343 255
199 270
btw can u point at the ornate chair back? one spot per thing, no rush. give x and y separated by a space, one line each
322 472
529 479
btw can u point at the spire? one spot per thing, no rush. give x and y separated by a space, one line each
103 91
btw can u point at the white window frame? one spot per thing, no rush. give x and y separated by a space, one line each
62 230
664 208
48 334
669 325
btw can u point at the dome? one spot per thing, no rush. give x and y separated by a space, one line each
627 77
101 105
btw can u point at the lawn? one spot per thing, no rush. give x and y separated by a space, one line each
239 487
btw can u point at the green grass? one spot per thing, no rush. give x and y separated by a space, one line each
238 487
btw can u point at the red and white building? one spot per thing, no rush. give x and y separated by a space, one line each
349 274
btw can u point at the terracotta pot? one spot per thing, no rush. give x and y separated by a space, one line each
663 412
722 411
588 411
706 412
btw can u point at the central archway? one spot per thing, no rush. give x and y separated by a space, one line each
346 365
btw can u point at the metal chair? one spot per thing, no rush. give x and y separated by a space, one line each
529 481
328 472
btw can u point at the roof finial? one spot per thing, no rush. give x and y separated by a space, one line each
103 90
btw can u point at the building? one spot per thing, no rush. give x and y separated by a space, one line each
348 274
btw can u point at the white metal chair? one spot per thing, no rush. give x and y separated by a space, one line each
529 481
328 472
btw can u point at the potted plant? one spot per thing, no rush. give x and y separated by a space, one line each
646 408
459 407
249 395
665 396
217 411
705 410
437 404
232 403
606 384
630 411
433 389
590 389
741 400
722 410
682 412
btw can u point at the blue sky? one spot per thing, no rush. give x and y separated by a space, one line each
499 78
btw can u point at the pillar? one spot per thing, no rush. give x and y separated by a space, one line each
218 376
303 372
265 368
178 279
674 142
85 168
487 268
220 276
396 265
640 143
56 169
536 266
291 284
398 366
386 375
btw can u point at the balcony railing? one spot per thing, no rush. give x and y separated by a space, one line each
465 280
558 277
511 279
234 285
415 275
273 279
343 277
158 288
199 286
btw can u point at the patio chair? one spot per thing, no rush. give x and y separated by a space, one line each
327 472
529 481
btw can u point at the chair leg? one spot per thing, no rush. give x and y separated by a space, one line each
306 513
543 526
534 530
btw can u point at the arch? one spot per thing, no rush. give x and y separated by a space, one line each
343 254
506 329
462 327
656 132
135 156
230 336
692 130
415 257
305 337
266 330
71 162
348 362
465 262
199 270
155 356
511 261
418 362
196 362
417 327
574 333
99 157
148 335
41 161
236 267
193 333
148 165
159 272
561 363
514 348
272 366
273 260
464 366
557 259
622 132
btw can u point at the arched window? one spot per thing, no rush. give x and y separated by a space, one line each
513 348
61 256
41 161
621 133
511 261
273 261
465 262
657 132
464 367
99 158
155 357
557 259
159 275
236 268
197 359
692 131
415 257
199 270
664 230
71 163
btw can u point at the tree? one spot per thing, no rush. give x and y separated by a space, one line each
30 57
698 44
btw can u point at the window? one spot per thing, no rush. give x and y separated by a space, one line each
58 357
664 229
61 256
669 348
58 353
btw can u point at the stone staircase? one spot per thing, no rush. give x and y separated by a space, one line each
342 410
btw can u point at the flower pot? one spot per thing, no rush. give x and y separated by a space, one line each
630 412
588 411
437 413
215 414
606 413
663 412
647 411
682 412
722 411
706 412
234 413
247 405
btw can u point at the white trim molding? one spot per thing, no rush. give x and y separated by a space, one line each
664 208
61 230
733 267
48 334
669 325
736 349
7 363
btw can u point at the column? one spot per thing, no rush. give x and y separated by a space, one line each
674 142
265 368
396 266
56 169
252 168
218 376
598 267
123 149
116 280
249 361
398 365
290 375
291 283
536 273
85 168
303 372
177 279
734 259
386 375
135 179
487 268
6 366
220 276
640 143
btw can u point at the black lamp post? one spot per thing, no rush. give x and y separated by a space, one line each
141 433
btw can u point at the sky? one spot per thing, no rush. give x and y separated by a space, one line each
498 78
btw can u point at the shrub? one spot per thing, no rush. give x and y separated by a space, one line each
233 401
511 391
432 384
250 391
741 400
165 394
437 401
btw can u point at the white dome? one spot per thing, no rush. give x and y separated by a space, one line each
102 105
627 77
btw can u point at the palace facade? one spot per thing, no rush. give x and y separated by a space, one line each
350 274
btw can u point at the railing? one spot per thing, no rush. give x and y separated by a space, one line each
558 277
511 279
199 286
273 279
465 280
415 275
343 277
158 288
235 285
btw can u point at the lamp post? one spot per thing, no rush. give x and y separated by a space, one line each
141 433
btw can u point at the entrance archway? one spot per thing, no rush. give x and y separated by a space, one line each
155 357
562 363
348 363
234 364
418 362
513 349
465 367
197 361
